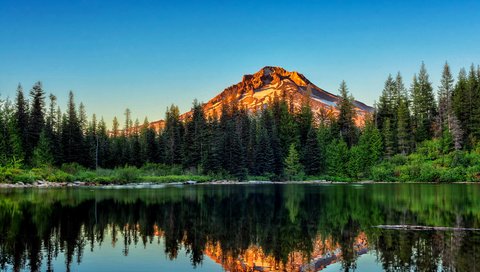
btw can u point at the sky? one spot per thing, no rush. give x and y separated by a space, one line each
146 55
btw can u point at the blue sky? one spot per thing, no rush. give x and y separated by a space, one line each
146 55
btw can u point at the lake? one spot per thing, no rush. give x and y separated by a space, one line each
268 227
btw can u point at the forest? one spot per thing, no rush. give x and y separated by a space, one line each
418 133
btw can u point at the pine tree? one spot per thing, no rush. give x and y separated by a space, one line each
386 107
20 126
293 167
312 159
91 143
148 143
72 137
346 116
213 159
194 137
264 157
388 138
37 117
423 106
337 158
42 154
82 118
444 99
172 134
136 158
324 138
474 91
403 130
103 156
370 149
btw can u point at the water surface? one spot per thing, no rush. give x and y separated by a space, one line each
284 227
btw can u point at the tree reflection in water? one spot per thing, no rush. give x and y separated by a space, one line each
243 227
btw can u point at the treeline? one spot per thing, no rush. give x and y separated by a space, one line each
280 141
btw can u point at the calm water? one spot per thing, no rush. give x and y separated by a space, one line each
240 228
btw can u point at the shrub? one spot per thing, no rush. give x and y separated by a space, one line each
383 172
398 159
452 175
60 176
26 177
428 173
473 173
127 174
72 168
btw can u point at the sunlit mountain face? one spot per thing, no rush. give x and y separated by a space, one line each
256 91
240 228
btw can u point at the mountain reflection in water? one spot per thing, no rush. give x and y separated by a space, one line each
243 227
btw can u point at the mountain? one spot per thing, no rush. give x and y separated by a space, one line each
255 91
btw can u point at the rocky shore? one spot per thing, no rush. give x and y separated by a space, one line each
48 184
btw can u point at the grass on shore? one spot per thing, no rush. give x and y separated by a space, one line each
154 173
150 173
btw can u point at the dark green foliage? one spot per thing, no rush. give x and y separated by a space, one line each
36 119
20 123
346 116
172 136
312 154
423 106
42 154
337 158
194 146
293 167
388 138
72 136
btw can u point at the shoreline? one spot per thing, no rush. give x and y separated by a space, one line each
47 184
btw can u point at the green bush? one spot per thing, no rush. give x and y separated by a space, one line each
104 180
7 174
428 173
127 174
86 176
26 177
452 175
60 176
473 173
72 168
383 172
398 159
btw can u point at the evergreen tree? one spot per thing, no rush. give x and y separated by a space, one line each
473 86
102 156
173 133
51 130
213 160
444 98
293 167
423 106
42 154
388 138
403 130
194 137
386 107
324 138
20 125
312 159
72 137
136 158
37 117
148 143
370 149
346 116
264 157
337 158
